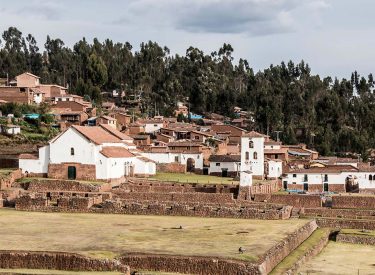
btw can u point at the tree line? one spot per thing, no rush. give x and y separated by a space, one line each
331 115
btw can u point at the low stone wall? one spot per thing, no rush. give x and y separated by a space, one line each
265 188
354 201
278 252
83 171
96 205
188 264
177 197
141 185
338 188
338 213
309 254
355 239
173 167
293 200
7 181
41 185
58 261
346 223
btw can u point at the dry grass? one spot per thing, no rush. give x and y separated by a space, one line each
55 272
105 235
341 259
192 178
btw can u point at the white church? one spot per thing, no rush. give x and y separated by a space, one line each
88 153
253 162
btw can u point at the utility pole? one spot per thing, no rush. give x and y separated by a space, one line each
277 135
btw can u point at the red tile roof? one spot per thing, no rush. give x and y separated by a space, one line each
115 132
254 134
116 152
28 156
97 134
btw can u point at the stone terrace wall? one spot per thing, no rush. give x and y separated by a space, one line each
58 261
338 213
136 185
190 265
355 201
278 252
177 197
355 239
173 167
7 181
265 188
41 185
309 201
346 223
86 204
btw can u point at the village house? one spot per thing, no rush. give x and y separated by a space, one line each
108 106
88 153
107 120
10 129
182 109
123 119
27 89
225 165
151 125
274 150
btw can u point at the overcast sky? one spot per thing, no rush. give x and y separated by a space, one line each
335 37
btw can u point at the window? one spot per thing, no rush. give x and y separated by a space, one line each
305 178
217 163
370 177
294 175
255 155
251 144
196 137
325 177
247 156
176 158
72 151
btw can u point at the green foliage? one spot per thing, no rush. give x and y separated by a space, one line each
331 115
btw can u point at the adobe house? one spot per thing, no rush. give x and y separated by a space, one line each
88 153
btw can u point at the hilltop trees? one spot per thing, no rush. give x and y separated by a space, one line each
328 114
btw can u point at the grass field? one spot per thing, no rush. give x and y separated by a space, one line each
193 178
341 259
105 235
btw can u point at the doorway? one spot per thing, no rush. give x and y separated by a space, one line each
224 172
305 187
72 172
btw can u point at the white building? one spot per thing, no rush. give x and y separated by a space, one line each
10 129
190 159
80 152
337 178
274 168
252 153
151 126
225 165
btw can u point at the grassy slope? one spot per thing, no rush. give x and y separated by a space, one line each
300 250
105 235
